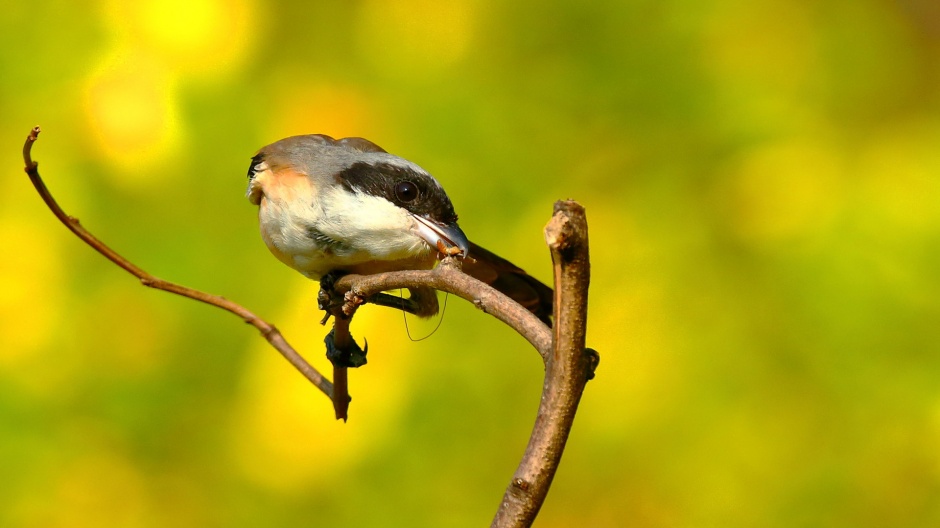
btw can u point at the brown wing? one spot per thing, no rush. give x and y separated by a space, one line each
510 280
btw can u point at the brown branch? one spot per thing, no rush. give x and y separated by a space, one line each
568 369
267 330
568 364
342 339
447 277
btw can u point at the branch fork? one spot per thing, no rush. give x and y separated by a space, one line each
568 364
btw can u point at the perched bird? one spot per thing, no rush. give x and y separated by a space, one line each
347 206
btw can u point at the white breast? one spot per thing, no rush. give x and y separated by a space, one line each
318 232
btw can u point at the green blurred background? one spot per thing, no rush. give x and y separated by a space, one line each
762 182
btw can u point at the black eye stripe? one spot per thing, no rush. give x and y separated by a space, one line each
383 179
253 168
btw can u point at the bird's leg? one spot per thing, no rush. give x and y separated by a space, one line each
343 353
341 350
394 301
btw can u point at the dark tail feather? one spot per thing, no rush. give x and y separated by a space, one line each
510 280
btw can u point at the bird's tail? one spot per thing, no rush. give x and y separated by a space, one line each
511 280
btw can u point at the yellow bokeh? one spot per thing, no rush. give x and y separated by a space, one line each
131 97
899 169
766 42
785 190
643 376
761 184
201 38
99 489
415 35
132 115
30 290
284 435
139 328
309 107
638 370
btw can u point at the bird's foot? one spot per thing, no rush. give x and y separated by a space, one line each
333 303
594 359
327 298
351 356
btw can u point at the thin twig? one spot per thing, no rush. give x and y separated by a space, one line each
342 339
568 364
267 330
567 371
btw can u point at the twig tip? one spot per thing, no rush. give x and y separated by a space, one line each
27 148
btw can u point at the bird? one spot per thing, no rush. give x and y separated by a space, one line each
333 206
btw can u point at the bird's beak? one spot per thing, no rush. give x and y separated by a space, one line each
437 235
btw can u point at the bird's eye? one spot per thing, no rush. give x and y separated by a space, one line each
406 191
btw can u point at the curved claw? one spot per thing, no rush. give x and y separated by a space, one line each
351 357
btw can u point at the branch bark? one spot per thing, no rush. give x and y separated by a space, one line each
568 364
568 369
342 339
272 334
447 277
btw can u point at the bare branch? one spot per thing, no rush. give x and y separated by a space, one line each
447 277
342 340
568 364
568 369
267 330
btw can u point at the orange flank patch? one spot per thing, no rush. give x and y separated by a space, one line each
280 191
